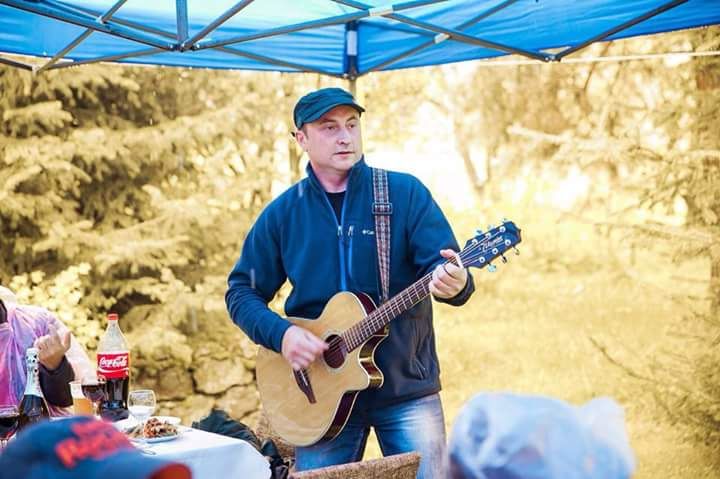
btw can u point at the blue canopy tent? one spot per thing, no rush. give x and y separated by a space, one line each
341 38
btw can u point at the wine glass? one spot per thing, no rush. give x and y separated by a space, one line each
141 404
9 418
93 388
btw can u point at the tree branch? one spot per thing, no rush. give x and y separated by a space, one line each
627 369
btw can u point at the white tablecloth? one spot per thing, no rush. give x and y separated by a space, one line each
212 456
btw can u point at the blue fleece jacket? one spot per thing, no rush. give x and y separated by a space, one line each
298 237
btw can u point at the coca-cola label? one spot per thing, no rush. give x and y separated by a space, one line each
113 365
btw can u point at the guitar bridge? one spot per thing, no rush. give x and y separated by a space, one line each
303 381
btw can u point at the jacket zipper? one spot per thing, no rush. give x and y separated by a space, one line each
341 246
350 252
341 249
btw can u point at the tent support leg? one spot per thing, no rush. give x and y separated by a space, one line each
181 16
352 86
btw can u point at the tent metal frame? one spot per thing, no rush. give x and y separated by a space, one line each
432 42
174 35
79 39
619 28
186 45
322 22
443 34
50 10
179 41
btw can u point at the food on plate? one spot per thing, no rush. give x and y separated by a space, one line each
153 428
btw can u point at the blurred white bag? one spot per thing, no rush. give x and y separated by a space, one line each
510 436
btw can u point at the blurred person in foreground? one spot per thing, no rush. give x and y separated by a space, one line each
81 448
510 436
320 236
62 359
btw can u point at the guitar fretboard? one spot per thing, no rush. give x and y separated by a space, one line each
478 252
375 321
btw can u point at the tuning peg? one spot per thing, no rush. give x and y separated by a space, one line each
492 268
504 259
480 232
491 226
517 251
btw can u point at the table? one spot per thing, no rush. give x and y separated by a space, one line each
212 456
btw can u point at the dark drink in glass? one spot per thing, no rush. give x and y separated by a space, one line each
32 409
9 418
94 390
8 425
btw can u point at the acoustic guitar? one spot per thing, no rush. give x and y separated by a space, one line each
313 404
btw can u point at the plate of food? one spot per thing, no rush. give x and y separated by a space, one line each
154 430
174 420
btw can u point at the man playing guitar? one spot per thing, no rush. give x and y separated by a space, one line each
321 235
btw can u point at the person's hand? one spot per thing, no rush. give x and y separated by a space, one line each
447 279
300 347
52 348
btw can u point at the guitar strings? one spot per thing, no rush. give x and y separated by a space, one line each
336 344
372 318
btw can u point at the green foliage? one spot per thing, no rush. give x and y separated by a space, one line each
123 187
644 134
62 295
35 120
132 188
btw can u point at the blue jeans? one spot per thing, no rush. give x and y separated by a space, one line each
415 425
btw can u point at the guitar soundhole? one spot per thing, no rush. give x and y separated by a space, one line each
336 351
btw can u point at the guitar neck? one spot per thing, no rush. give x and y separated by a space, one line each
375 321
401 302
478 252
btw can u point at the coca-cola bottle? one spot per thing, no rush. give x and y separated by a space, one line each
32 407
113 360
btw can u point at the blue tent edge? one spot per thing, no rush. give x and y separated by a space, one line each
325 49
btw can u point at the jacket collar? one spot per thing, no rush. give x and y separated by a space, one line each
357 172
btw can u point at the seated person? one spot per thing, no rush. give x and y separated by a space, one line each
511 436
81 447
62 359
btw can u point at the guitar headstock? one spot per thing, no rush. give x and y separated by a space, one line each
483 248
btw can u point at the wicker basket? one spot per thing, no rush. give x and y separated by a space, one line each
400 466
263 430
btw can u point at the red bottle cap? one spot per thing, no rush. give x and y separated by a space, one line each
112 317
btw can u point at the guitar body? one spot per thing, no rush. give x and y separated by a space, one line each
334 385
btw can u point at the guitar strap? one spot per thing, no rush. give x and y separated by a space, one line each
382 210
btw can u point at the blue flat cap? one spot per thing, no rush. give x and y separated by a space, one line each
315 104
84 447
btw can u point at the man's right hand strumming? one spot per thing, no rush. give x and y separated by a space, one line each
300 347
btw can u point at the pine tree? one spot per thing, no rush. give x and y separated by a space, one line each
149 176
